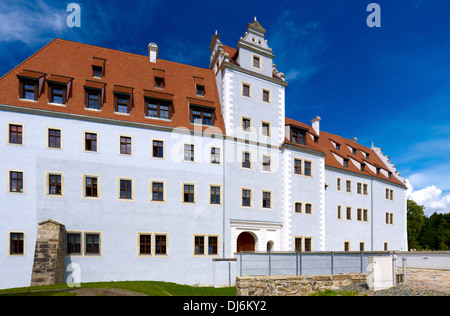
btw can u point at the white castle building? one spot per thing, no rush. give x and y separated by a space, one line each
157 169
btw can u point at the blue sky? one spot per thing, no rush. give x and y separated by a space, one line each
387 85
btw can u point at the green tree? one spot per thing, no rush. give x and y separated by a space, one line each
416 220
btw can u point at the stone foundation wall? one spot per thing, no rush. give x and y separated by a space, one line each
293 285
48 265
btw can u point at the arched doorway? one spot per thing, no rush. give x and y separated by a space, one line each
245 242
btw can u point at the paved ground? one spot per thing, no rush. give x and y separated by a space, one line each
433 279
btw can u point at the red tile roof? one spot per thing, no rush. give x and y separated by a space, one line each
324 145
62 59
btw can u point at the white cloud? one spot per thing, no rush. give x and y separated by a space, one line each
433 198
27 21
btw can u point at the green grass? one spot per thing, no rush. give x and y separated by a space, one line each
336 293
152 288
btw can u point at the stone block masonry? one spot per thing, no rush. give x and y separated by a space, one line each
293 285
48 266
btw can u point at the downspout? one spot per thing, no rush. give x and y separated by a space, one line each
223 198
372 214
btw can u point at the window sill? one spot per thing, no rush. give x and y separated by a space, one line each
28 100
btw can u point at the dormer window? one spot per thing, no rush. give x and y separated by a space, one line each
159 76
298 136
122 104
200 90
97 72
29 91
354 151
159 83
30 84
345 163
338 146
59 89
98 67
123 99
202 115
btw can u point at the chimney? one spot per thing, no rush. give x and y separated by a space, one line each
316 125
153 52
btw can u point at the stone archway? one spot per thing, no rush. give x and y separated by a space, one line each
245 242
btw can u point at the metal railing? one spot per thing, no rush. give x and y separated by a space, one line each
304 263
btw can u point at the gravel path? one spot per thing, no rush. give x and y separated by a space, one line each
410 288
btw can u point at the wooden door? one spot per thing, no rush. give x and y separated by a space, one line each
245 242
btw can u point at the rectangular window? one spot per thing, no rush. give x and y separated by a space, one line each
199 245
346 246
16 182
200 115
54 138
97 72
359 188
160 244
188 152
265 129
362 246
29 90
339 212
16 244
389 218
246 197
214 195
215 155
189 193
298 207
158 191
122 104
365 191
348 186
15 134
54 184
90 142
159 83
125 145
308 208
257 62
365 215
266 163
159 109
126 189
266 96
74 243
308 170
213 243
200 90
145 244
158 149
359 214
298 244
57 95
91 186
298 136
308 244
349 213
246 163
92 244
266 200
246 124
297 166
93 99
338 184
246 90
345 164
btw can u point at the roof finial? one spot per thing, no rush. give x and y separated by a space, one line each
216 32
255 19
